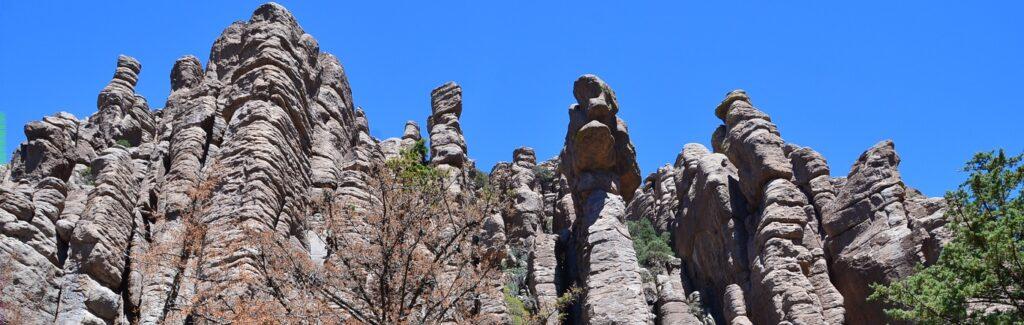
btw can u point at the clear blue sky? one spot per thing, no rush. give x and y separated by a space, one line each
942 79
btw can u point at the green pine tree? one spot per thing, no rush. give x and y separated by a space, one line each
979 277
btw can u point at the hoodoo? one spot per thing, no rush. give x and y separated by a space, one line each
142 216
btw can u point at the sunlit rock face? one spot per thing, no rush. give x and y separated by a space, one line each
760 230
878 230
599 162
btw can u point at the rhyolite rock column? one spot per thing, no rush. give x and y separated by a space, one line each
788 276
656 199
448 151
709 232
93 275
876 232
599 163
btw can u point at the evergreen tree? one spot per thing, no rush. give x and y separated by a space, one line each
980 273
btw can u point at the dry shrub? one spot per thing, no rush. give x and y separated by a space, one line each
405 253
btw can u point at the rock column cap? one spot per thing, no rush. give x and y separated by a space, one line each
723 108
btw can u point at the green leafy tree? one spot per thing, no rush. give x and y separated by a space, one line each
979 277
652 249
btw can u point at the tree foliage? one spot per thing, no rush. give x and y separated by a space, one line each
979 277
652 249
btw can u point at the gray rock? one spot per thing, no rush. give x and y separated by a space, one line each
448 150
49 149
542 277
122 114
710 234
872 235
447 146
599 164
607 257
393 147
672 305
788 279
94 213
99 245
656 200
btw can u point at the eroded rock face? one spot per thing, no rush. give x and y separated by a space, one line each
543 278
767 235
99 216
877 232
97 261
710 232
527 214
447 146
122 116
656 199
274 115
448 150
788 279
269 124
599 163
50 149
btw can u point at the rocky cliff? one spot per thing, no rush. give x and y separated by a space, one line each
761 231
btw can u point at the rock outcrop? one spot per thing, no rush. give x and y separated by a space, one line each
268 125
710 233
94 273
599 163
448 152
519 180
101 219
393 147
767 235
878 230
784 255
656 199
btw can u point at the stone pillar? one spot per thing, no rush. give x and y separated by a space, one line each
789 281
599 163
448 151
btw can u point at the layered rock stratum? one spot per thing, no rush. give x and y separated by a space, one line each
762 232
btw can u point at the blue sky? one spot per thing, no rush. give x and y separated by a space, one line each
939 78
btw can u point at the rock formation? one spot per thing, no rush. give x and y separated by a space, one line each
710 231
877 230
100 217
527 203
600 164
447 146
656 199
392 147
783 252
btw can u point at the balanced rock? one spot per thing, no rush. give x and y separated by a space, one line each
600 165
